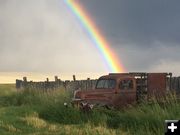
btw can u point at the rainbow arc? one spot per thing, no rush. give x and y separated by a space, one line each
109 56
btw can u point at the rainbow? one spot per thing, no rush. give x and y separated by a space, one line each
109 56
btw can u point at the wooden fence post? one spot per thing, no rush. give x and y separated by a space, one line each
74 78
56 78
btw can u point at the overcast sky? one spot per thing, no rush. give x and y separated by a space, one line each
44 35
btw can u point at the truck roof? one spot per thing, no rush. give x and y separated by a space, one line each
116 76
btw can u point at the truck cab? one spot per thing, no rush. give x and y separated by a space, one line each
115 90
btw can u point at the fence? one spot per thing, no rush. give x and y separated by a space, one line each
58 83
73 85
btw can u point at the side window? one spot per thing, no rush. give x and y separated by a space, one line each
126 84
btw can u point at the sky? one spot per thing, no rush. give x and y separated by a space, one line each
44 36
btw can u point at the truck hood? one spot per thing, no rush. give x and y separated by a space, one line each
93 94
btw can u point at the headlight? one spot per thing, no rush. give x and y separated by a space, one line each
65 104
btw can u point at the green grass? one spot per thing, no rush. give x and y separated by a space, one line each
35 112
7 89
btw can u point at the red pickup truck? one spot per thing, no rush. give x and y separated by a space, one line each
120 89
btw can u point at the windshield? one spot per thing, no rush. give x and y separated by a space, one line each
106 84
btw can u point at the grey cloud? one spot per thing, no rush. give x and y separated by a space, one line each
137 21
43 36
141 59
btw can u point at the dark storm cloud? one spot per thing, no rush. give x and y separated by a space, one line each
145 33
137 21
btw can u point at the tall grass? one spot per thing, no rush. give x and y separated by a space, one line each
45 110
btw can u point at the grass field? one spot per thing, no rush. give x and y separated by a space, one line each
36 113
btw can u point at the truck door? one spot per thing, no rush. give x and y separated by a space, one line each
127 91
